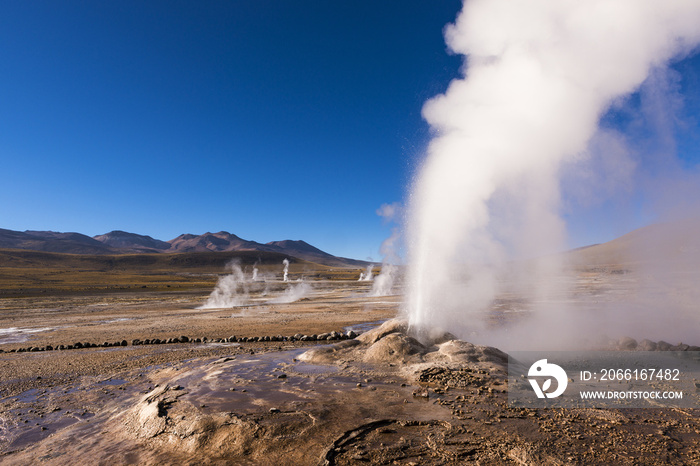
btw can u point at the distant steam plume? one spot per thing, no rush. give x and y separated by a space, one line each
537 78
367 276
231 290
384 282
293 293
286 270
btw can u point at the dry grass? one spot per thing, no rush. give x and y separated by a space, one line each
30 273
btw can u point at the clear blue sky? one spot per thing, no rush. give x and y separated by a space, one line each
269 119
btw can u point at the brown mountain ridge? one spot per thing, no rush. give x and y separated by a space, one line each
121 242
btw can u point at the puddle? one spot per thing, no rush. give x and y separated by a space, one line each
19 335
245 384
111 321
112 382
303 368
364 327
21 429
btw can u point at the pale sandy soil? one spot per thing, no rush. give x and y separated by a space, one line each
380 399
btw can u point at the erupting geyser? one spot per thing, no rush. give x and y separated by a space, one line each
538 76
384 283
230 291
367 276
286 270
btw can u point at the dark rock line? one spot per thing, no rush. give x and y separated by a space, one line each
331 336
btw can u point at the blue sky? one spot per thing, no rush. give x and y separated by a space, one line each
272 120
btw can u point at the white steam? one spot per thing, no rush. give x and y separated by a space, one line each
537 78
230 291
293 293
367 276
286 270
384 282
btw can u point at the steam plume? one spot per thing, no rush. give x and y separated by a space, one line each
293 293
538 76
367 276
286 270
231 290
384 283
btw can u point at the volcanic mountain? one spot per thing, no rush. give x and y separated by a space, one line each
225 241
51 241
132 242
121 242
221 241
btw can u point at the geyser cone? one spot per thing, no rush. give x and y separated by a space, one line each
538 77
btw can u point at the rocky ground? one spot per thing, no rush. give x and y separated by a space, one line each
279 394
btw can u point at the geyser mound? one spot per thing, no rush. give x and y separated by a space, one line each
393 344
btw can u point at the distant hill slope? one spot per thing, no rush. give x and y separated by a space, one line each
121 242
221 241
50 241
225 241
658 243
304 250
132 242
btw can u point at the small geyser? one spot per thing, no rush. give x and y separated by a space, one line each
537 78
231 290
293 293
286 270
367 276
384 282
255 274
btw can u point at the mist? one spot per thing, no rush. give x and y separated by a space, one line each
537 78
285 272
231 290
384 283
293 293
367 275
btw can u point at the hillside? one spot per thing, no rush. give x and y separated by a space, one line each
121 242
660 243
26 273
221 241
50 241
304 250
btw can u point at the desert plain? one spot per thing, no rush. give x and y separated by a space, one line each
113 360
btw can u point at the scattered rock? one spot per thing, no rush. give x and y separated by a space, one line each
647 345
627 343
663 345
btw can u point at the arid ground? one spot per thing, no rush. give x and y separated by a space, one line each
104 376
